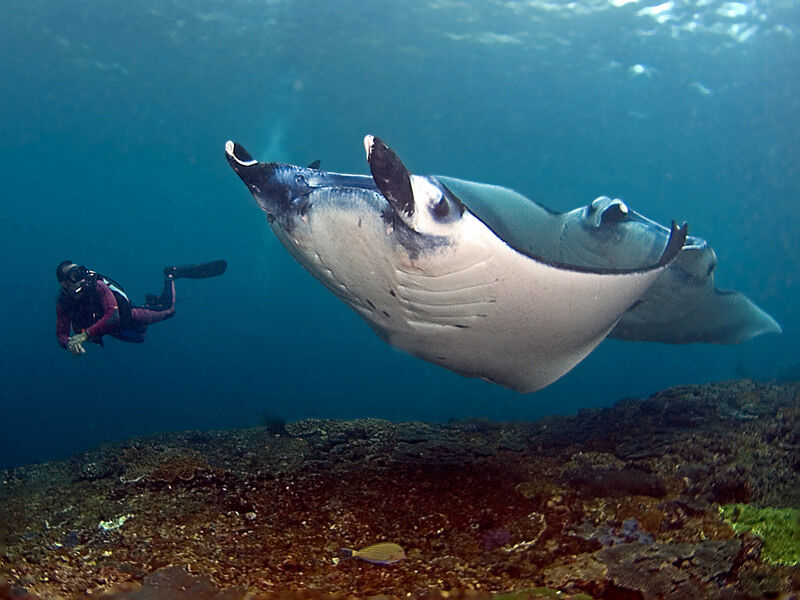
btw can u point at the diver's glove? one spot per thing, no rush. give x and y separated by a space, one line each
75 344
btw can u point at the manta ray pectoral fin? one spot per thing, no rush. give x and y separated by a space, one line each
237 155
280 190
681 315
390 175
684 306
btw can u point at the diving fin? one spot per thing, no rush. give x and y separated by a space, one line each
199 271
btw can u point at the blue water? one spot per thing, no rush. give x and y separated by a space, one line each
112 125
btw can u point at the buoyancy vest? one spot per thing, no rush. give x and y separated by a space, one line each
87 309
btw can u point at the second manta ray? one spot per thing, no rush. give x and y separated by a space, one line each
483 281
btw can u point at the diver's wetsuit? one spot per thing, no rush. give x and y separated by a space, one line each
106 311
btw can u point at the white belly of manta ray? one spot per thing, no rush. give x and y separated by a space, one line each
474 306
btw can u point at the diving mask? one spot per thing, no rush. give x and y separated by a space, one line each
75 280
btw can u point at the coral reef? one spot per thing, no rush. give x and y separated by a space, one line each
638 501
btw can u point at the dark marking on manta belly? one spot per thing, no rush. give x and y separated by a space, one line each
386 314
391 293
371 305
414 243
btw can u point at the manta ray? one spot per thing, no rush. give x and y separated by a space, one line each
483 281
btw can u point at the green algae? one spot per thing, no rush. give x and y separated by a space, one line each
539 593
778 528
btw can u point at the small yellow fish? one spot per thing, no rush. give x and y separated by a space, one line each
384 553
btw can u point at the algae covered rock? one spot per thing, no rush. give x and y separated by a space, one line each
779 528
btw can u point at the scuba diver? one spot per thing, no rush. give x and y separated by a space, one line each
94 305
